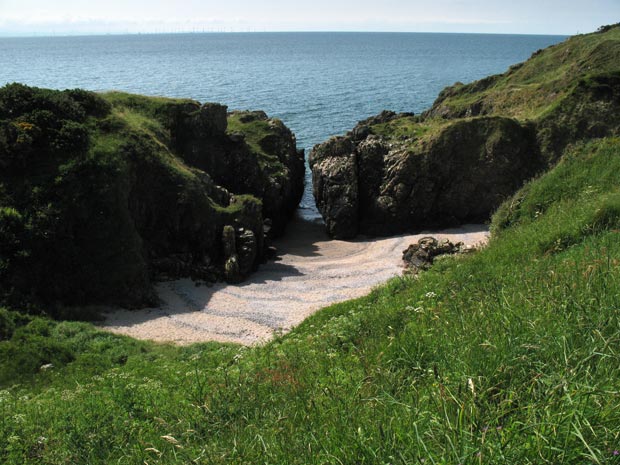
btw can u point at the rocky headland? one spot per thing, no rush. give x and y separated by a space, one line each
475 146
101 194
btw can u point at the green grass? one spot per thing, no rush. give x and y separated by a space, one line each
254 132
406 127
586 173
511 355
158 108
527 91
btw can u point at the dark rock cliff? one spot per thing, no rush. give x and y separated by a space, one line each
379 187
101 194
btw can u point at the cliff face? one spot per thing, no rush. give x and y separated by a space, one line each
100 194
376 186
476 145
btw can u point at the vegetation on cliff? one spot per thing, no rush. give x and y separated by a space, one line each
101 193
506 356
475 147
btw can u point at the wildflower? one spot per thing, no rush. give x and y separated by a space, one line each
411 308
430 295
616 452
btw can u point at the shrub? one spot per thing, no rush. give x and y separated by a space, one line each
7 325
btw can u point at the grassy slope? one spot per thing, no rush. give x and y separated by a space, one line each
255 132
529 90
507 356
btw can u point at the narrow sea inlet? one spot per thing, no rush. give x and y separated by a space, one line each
318 84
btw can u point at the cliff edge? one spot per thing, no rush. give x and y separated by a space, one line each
100 194
474 147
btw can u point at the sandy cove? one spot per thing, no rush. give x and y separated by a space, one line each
311 272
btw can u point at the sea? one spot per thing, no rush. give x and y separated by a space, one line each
319 83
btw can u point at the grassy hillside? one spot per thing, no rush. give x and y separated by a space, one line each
529 90
507 356
478 144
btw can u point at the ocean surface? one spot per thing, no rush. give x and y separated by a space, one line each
319 84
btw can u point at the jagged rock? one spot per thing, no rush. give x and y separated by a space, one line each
335 185
461 174
229 244
247 251
250 116
213 118
237 137
420 256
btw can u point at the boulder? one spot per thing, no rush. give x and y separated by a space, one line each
421 256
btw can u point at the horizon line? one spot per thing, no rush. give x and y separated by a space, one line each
47 34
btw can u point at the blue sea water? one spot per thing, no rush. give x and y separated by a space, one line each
319 84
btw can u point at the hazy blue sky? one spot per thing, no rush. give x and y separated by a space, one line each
18 17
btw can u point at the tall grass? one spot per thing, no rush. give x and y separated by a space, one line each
507 356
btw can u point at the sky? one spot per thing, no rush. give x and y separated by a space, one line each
65 17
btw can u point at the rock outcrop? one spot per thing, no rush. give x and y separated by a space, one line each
420 256
380 186
102 194
474 148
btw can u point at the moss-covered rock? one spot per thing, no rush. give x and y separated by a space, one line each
100 194
474 148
